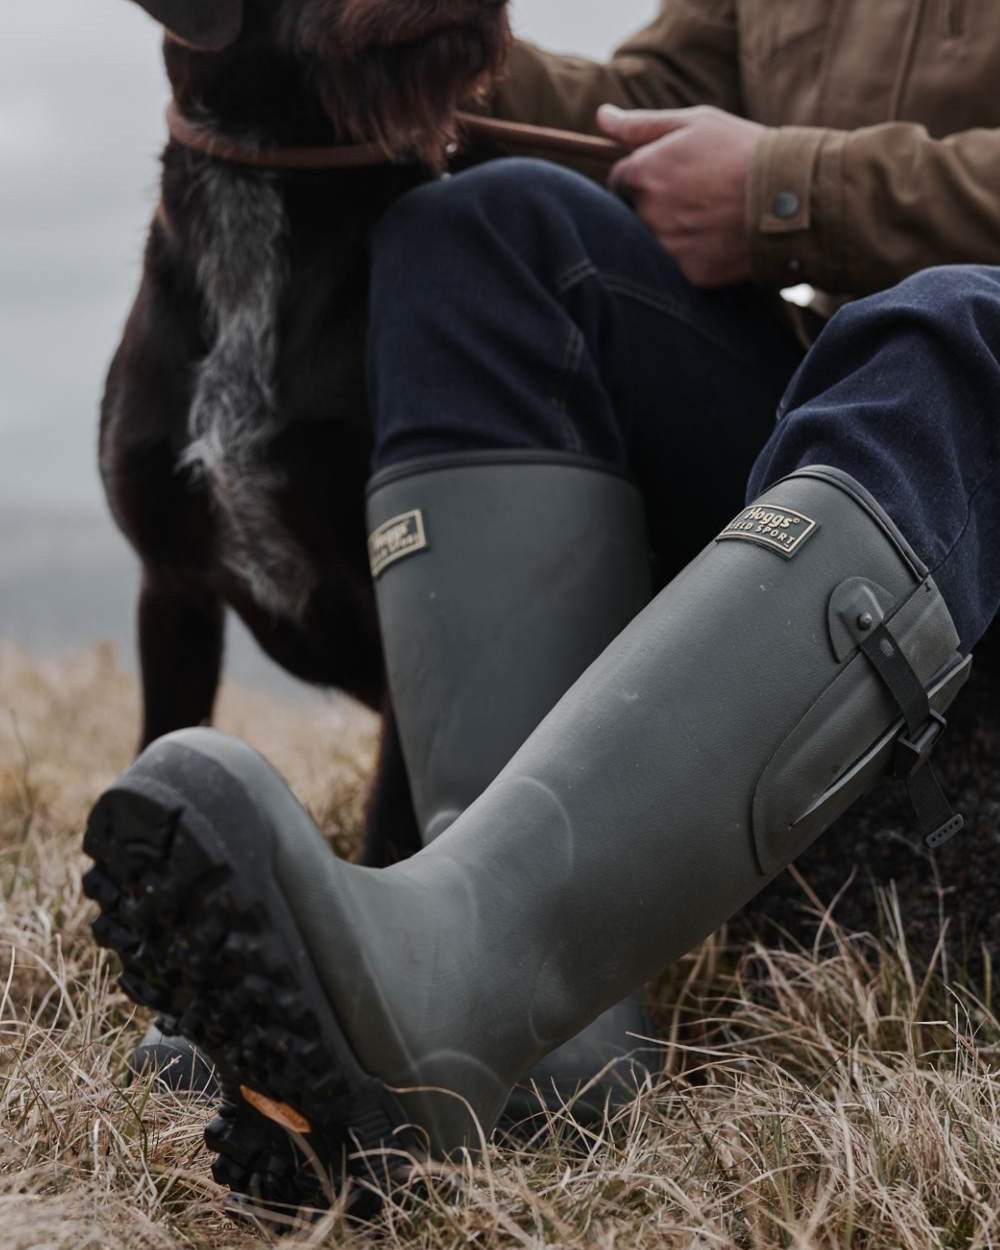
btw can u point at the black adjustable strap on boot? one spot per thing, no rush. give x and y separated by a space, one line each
937 818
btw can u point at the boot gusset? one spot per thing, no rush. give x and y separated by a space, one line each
794 798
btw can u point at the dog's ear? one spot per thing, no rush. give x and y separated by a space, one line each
209 25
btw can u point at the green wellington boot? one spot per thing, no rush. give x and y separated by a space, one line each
499 577
383 1013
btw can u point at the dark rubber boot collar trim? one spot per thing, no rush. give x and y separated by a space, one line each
865 499
465 459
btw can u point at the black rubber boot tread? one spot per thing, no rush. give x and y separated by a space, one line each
222 957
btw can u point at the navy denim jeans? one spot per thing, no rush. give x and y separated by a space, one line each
520 306
539 313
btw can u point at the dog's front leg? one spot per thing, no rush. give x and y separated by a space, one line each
181 627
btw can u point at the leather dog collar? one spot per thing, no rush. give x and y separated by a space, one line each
519 136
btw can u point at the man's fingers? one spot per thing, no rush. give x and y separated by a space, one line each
621 180
636 127
631 176
624 192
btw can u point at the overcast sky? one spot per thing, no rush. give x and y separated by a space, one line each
81 100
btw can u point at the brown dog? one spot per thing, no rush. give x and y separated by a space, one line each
234 435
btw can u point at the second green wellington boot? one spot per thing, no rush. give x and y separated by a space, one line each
499 576
381 1014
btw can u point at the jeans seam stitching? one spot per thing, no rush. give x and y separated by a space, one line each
674 309
633 290
575 274
567 372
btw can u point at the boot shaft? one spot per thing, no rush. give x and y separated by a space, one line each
499 578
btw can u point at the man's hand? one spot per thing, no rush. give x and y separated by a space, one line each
687 180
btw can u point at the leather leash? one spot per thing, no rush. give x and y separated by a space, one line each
524 138
542 139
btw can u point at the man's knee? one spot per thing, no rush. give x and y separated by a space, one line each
512 201
947 298
944 289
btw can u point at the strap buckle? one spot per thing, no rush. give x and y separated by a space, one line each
914 752
944 833
911 762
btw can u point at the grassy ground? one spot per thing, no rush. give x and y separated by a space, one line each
828 1095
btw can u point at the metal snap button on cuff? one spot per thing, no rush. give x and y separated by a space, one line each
785 205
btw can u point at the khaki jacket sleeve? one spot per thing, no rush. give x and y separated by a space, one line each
688 55
854 212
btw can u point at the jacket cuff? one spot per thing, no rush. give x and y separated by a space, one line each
794 205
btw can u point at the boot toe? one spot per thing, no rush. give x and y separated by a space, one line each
181 852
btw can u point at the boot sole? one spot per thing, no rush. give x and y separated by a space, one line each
203 939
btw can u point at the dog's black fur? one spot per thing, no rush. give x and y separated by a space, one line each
235 439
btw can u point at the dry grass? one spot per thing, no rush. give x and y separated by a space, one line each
825 1097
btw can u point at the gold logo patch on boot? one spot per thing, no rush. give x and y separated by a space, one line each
398 537
782 529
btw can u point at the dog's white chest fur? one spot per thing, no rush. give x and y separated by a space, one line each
234 415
